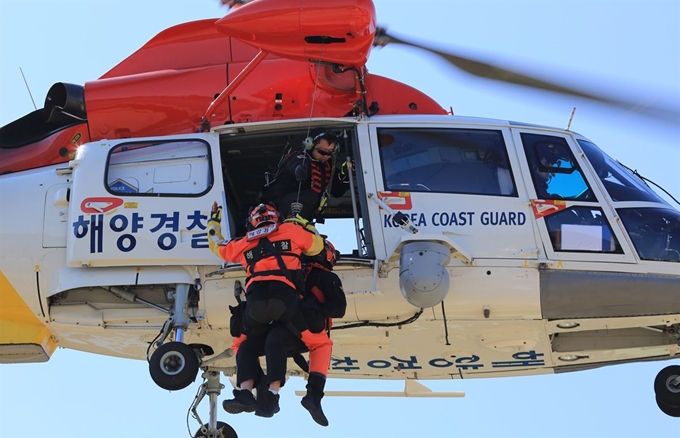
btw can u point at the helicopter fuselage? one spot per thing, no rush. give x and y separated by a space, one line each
471 247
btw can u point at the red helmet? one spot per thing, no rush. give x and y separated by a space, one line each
331 253
263 214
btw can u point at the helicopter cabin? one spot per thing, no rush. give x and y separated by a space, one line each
482 191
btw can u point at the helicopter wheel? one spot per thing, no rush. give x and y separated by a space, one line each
173 366
667 408
227 431
667 386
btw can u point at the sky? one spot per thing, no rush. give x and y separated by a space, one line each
623 47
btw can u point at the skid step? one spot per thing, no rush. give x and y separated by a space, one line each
411 389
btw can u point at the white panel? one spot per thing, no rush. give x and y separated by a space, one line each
123 225
170 174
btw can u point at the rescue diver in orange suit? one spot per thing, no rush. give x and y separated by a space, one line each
323 300
306 177
270 253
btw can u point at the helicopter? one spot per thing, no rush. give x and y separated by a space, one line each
389 226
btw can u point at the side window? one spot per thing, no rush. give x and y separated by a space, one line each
581 229
554 171
159 168
466 161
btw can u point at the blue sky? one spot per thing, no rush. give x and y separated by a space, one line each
619 46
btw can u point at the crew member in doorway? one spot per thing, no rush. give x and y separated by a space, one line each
306 179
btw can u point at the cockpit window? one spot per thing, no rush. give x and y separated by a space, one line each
620 183
554 170
466 161
655 232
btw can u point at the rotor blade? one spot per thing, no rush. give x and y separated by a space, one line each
488 71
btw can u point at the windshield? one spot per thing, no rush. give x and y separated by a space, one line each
620 183
655 232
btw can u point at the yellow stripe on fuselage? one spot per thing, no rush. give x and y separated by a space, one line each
22 334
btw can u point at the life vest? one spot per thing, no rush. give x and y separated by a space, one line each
274 255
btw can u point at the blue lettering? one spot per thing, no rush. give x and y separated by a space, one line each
137 221
166 246
471 215
196 220
97 233
502 218
199 241
418 220
80 227
113 223
166 221
348 364
435 220
440 362
379 363
388 221
126 243
445 219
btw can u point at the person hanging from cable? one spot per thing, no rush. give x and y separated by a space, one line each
323 299
270 253
306 179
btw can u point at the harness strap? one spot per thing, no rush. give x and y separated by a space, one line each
265 248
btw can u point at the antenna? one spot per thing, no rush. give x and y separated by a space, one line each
571 117
27 87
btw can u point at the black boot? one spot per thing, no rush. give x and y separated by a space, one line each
268 406
243 401
312 401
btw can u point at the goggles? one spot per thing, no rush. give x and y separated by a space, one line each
324 153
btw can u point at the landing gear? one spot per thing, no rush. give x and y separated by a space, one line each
212 387
173 366
223 431
667 389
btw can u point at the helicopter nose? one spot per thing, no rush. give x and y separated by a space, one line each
306 30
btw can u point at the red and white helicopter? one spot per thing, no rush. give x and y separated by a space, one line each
466 263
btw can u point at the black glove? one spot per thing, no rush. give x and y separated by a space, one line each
301 173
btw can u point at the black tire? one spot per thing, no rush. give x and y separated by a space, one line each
173 366
662 385
667 408
227 431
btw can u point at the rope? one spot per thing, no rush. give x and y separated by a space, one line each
309 125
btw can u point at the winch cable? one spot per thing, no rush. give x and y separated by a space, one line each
296 207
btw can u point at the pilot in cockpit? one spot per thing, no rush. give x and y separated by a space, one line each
547 157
